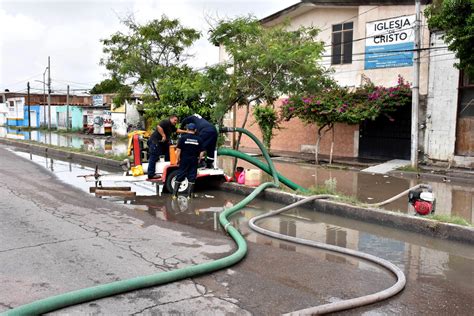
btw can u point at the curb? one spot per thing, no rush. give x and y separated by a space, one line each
386 218
92 161
400 221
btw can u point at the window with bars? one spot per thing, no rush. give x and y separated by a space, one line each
342 35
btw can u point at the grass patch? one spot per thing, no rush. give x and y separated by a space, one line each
409 169
329 188
449 219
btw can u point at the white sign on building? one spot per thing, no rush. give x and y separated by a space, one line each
390 42
97 100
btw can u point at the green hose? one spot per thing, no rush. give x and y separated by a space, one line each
256 162
93 293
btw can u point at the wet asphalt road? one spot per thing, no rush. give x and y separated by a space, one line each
55 238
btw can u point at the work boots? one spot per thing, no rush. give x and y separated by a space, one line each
191 190
176 189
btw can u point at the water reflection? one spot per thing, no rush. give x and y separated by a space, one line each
435 264
451 198
98 144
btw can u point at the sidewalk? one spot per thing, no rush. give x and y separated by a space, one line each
425 171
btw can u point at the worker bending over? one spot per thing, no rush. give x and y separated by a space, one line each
208 134
159 143
189 152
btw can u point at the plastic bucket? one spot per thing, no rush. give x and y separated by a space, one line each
253 177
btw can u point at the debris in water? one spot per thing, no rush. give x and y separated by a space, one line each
208 196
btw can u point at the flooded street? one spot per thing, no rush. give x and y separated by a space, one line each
439 272
452 198
101 145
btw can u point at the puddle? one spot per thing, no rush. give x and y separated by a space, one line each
451 198
432 264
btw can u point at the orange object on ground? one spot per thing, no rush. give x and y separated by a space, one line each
173 155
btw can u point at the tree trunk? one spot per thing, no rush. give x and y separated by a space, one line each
332 128
316 153
237 145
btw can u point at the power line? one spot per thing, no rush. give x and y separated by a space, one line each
391 51
355 16
78 83
22 81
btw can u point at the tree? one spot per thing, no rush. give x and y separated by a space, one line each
264 64
143 56
267 120
340 105
181 93
456 19
109 86
113 85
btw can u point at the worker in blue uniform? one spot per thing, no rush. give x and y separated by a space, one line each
189 152
208 134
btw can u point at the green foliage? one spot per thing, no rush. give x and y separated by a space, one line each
409 168
264 63
456 19
340 105
109 86
121 91
181 93
449 219
266 118
143 56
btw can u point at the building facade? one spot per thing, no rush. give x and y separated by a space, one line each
40 113
374 40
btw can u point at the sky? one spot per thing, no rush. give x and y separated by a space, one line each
69 31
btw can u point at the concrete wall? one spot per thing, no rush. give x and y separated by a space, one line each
442 103
3 114
44 116
295 136
323 17
75 117
119 127
133 116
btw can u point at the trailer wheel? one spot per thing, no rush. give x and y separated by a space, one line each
170 181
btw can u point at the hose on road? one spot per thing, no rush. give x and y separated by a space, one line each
84 295
345 304
93 293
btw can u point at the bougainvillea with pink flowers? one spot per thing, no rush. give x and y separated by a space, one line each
342 105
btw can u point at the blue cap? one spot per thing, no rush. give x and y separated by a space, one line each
191 126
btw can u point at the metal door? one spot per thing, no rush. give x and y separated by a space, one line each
387 137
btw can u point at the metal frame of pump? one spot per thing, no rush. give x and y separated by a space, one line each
100 291
167 170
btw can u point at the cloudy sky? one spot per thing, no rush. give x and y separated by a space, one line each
70 31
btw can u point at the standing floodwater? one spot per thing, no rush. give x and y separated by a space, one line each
440 273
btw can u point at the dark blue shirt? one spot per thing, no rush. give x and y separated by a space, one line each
201 124
190 146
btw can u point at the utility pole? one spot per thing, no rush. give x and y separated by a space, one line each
44 96
67 109
49 94
415 101
28 100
